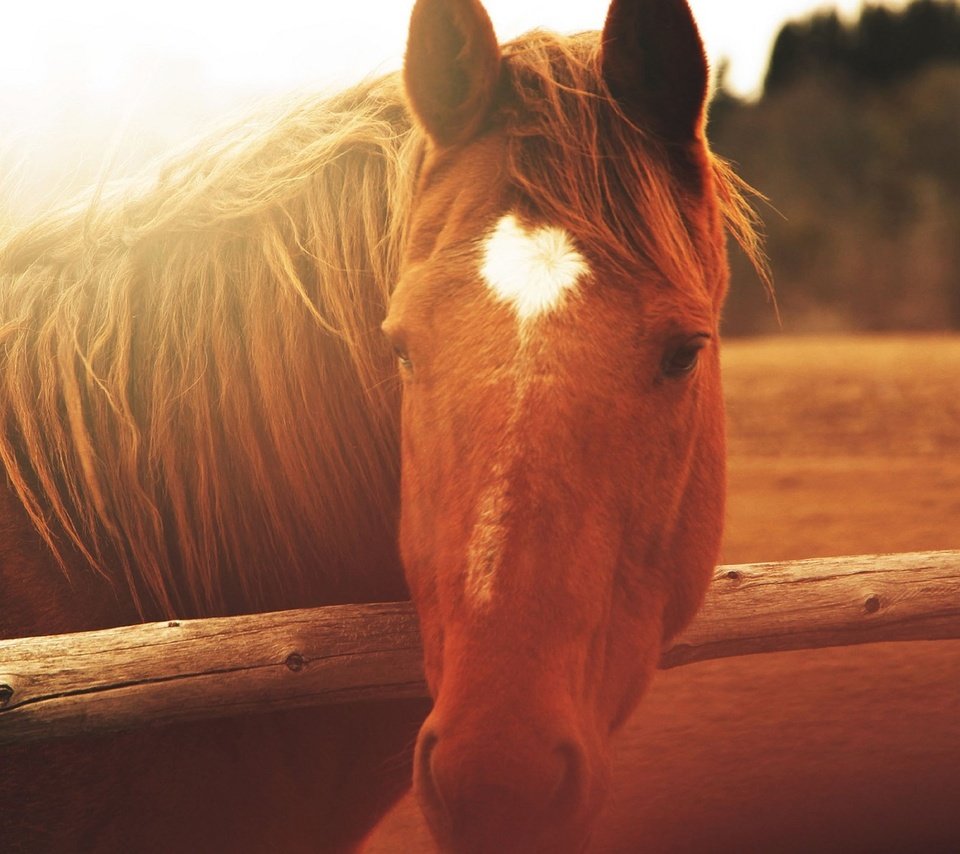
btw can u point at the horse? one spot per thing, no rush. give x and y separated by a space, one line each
201 415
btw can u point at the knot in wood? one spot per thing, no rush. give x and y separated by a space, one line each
872 605
295 662
6 694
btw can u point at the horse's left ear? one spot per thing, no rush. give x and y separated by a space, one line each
452 68
654 66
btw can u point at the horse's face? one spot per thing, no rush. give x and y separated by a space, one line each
562 447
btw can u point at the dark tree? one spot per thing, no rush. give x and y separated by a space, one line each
882 47
855 142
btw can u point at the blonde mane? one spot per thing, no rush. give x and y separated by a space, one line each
194 390
194 393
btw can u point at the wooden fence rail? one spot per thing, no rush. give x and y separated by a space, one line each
159 673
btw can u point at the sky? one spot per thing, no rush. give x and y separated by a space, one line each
283 43
79 78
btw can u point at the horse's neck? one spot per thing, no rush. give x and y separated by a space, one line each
38 596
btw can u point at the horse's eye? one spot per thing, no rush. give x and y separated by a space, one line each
681 358
403 358
397 340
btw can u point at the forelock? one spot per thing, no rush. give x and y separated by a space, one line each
575 160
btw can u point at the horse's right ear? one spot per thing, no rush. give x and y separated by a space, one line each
452 68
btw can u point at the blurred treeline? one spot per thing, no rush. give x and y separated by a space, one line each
856 142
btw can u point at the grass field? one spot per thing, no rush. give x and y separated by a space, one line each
837 446
842 446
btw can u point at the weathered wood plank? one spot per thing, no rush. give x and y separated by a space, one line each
160 673
807 604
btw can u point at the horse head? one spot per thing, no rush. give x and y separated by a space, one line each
556 328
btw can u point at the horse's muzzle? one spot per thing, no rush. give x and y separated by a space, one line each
525 787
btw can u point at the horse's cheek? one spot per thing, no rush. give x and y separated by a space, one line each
631 656
699 529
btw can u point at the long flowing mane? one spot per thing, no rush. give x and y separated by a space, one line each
192 375
193 381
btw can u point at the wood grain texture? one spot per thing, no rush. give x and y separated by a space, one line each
809 604
158 673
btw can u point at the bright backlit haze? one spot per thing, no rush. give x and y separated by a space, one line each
293 42
79 77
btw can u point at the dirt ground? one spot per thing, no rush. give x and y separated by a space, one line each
837 446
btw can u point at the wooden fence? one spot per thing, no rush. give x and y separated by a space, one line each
159 673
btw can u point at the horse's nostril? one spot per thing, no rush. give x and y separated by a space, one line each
425 779
570 789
